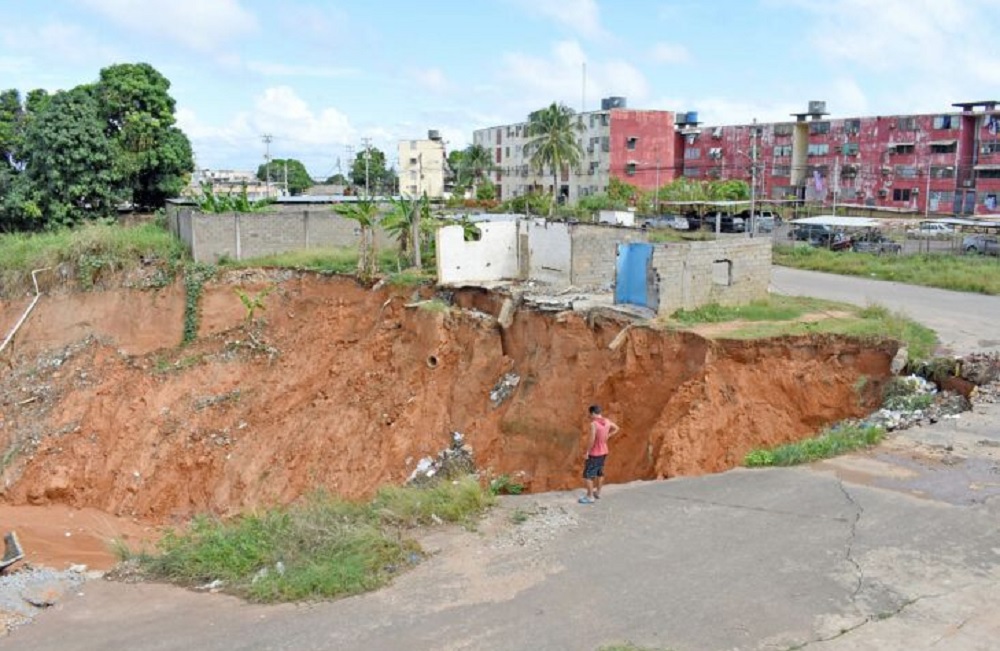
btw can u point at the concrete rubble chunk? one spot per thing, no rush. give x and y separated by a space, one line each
45 594
504 388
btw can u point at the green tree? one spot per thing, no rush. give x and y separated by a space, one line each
553 132
369 164
153 157
365 213
476 163
70 163
298 178
336 179
486 191
405 223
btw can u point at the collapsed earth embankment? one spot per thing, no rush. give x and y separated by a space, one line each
341 387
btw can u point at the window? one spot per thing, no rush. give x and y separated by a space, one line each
852 126
901 194
413 161
630 169
692 152
944 148
630 143
819 149
849 149
849 171
605 144
782 151
781 170
988 174
818 127
902 148
499 136
692 171
942 172
906 171
945 122
506 152
499 154
906 124
783 129
715 153
990 148
594 166
413 144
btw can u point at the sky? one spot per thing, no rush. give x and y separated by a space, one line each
320 76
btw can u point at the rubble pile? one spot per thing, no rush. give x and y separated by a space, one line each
454 461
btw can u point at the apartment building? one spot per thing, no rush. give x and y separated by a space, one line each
635 146
422 167
946 162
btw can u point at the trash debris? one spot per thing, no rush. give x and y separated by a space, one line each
504 389
454 461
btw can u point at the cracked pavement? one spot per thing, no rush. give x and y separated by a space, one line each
892 549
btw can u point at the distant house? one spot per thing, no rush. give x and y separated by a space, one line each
422 167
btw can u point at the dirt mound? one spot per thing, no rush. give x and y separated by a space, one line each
347 388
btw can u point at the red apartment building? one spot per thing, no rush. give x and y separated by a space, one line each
943 163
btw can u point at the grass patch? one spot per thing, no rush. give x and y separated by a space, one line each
773 308
659 236
324 260
957 272
90 250
321 547
835 441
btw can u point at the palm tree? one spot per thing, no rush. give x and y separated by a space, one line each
404 223
476 163
365 212
553 142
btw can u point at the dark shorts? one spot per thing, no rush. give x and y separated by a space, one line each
594 467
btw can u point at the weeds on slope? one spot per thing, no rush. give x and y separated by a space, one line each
321 547
835 441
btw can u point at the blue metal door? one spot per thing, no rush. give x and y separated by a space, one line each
632 274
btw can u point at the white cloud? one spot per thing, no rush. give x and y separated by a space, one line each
669 53
922 39
583 17
270 69
63 42
316 137
432 79
202 25
537 81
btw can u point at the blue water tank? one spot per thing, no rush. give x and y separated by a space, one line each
692 117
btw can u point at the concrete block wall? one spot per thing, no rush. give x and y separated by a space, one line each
547 256
691 274
492 258
241 236
594 253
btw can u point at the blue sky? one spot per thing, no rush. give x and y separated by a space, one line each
321 75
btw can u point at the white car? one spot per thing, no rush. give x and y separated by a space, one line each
931 230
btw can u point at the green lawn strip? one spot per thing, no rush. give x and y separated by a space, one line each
773 308
965 273
835 441
321 547
335 260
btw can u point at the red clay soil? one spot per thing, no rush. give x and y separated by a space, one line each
347 388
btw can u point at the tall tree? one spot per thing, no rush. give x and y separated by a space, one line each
369 170
153 156
365 213
281 168
476 163
70 163
553 131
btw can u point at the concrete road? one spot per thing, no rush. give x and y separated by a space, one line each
895 549
963 321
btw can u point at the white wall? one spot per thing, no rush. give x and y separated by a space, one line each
492 258
549 251
617 217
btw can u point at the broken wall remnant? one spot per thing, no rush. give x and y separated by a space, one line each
493 257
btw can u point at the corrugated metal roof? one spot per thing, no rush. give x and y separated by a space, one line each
838 220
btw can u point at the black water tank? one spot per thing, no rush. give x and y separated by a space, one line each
609 103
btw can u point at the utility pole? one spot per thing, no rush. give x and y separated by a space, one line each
836 183
267 138
656 191
286 177
368 155
753 177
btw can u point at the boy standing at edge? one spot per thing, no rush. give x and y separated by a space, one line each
601 429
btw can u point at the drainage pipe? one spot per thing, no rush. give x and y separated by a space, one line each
34 301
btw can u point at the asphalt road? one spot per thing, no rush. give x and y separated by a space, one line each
895 549
964 322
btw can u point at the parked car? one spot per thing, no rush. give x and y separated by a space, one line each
767 220
727 222
981 244
875 242
812 233
662 221
931 230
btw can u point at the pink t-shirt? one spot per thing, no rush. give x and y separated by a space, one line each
601 428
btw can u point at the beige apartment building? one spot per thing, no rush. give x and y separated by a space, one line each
422 167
